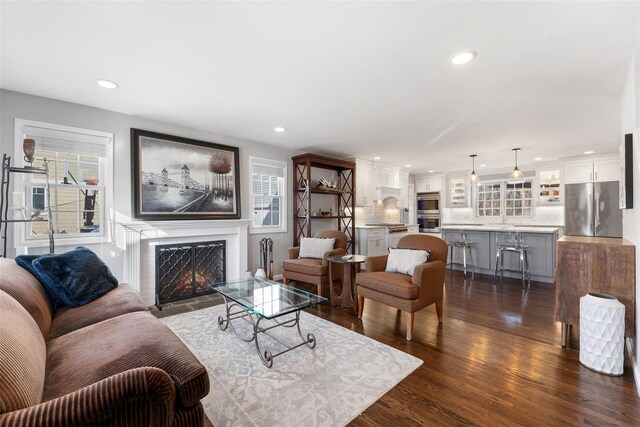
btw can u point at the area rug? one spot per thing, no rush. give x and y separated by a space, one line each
326 386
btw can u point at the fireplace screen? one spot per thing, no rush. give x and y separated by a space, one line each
187 270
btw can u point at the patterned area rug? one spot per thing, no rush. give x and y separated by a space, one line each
327 386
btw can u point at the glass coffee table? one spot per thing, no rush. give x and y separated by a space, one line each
256 300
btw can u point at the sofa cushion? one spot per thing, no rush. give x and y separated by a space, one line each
309 266
123 299
22 357
315 247
133 340
71 279
395 284
405 260
17 282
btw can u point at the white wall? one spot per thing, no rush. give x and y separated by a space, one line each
630 109
17 105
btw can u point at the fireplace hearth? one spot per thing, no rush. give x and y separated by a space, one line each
185 270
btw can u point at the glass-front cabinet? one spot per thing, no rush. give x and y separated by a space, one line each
549 188
504 198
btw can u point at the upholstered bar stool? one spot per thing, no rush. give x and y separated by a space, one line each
465 244
512 242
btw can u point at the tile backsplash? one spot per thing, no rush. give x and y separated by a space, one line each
543 215
376 214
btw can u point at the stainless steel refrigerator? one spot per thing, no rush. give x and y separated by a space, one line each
592 209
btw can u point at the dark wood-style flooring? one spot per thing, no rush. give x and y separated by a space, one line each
495 360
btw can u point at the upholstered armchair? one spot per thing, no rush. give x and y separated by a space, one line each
407 293
315 271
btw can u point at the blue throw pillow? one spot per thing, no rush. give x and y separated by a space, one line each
73 279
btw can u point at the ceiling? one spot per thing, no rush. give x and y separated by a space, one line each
345 78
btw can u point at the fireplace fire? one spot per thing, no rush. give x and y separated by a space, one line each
186 270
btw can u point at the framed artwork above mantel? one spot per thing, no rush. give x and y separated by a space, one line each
176 178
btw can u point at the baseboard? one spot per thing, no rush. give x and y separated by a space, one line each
277 277
631 351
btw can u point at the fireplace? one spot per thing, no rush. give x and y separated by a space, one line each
185 270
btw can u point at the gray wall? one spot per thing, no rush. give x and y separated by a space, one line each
17 105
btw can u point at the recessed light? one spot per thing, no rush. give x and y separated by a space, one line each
589 152
280 129
407 166
484 165
107 84
376 158
538 158
462 57
431 171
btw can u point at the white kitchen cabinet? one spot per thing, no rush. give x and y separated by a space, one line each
403 203
592 171
430 184
371 241
365 190
385 176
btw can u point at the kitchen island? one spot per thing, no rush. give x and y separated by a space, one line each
541 251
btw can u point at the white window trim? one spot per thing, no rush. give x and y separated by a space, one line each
285 187
19 180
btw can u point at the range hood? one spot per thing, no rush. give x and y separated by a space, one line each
387 192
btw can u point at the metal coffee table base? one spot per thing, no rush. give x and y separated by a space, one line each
266 356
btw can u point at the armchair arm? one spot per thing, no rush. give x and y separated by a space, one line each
294 253
429 278
375 263
141 396
332 252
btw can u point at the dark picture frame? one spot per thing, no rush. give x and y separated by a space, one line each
626 172
177 178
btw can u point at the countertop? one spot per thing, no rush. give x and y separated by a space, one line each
382 226
502 227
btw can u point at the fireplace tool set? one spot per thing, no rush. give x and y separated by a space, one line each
266 259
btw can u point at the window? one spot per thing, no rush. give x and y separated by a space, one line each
508 198
268 198
79 163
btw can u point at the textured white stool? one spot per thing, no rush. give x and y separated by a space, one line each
602 333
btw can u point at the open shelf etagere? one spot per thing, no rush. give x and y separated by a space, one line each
7 170
304 189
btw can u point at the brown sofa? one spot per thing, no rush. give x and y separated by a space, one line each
108 363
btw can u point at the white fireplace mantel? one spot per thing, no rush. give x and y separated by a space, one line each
141 238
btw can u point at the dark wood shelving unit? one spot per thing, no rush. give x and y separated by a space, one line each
303 189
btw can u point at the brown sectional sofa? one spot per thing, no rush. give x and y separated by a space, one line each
108 363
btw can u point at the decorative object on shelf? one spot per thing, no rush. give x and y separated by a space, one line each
323 184
474 176
626 172
458 192
602 333
517 173
182 178
29 148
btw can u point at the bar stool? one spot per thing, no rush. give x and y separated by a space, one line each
466 248
512 242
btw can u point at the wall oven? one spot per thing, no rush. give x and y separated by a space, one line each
428 204
429 223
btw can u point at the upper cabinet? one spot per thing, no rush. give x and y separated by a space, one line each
592 171
550 192
370 176
365 190
429 184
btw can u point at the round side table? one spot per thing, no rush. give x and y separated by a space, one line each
351 267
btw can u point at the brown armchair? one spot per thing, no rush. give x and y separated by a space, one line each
406 293
315 271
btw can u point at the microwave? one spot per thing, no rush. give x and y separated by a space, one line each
428 203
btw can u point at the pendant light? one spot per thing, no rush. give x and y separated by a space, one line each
516 172
474 176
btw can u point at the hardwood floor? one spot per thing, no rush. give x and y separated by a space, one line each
495 360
